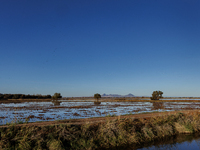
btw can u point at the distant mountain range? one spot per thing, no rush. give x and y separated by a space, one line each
117 95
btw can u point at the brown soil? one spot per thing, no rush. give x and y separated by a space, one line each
104 119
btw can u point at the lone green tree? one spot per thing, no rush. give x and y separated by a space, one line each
156 95
56 96
97 96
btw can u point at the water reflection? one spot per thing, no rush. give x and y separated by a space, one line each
178 142
97 103
157 105
56 102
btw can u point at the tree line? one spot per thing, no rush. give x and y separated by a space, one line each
156 95
23 96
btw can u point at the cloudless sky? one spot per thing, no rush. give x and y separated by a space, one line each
83 47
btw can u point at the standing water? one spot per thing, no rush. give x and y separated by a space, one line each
59 110
178 142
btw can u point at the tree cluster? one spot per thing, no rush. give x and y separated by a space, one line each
56 96
156 95
23 96
97 96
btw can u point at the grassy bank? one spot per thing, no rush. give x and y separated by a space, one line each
112 133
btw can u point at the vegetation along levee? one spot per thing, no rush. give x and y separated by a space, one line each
99 135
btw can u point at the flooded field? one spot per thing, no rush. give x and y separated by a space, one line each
65 109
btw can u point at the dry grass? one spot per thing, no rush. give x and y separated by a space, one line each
112 133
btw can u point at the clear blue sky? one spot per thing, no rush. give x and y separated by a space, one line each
79 48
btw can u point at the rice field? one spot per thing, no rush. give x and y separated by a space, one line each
65 109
